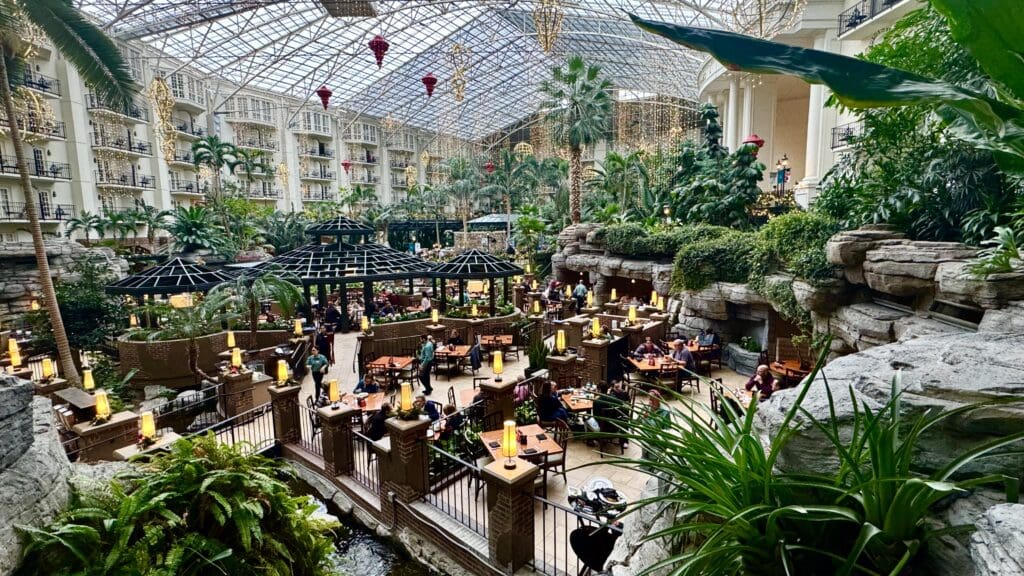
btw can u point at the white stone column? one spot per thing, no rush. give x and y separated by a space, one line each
732 113
815 107
747 127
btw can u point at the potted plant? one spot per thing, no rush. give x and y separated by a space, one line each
538 356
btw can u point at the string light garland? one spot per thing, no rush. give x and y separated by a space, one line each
458 56
163 105
547 18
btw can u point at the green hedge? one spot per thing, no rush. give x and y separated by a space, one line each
634 240
728 257
796 242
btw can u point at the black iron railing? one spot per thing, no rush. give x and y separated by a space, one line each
55 170
310 431
122 143
317 153
318 175
261 143
188 129
861 12
457 490
268 193
366 469
41 82
183 156
125 180
844 135
49 212
54 129
553 523
94 102
252 429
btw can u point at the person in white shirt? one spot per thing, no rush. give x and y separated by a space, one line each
425 302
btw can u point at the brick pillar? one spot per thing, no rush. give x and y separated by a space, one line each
635 335
367 349
510 504
404 470
236 393
99 441
662 332
563 369
518 298
336 435
500 397
438 331
285 405
475 327
595 361
537 331
574 328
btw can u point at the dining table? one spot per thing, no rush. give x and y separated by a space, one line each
496 340
788 370
644 366
391 366
537 440
466 396
373 401
452 356
577 401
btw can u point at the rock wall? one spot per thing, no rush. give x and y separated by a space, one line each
33 484
633 553
20 281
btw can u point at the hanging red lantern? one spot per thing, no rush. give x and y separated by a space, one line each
429 81
489 167
379 46
347 165
325 95
755 140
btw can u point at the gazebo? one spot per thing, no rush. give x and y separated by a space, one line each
348 258
475 265
176 276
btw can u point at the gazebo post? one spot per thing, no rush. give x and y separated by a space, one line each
367 296
412 288
309 299
505 284
321 294
443 294
462 292
490 289
343 294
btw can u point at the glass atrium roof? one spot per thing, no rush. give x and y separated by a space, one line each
295 46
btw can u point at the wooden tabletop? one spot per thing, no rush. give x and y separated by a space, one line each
391 362
780 368
642 365
76 397
459 351
373 402
578 404
496 340
531 430
466 396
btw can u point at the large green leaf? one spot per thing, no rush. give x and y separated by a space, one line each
983 121
991 31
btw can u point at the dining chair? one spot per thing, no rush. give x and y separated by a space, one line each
712 354
717 393
556 462
451 396
541 459
314 420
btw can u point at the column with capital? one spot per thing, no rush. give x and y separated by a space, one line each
806 190
732 114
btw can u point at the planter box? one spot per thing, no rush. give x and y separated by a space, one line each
740 360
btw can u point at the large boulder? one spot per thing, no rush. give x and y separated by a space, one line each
997 547
905 268
938 372
865 325
957 283
848 249
1009 320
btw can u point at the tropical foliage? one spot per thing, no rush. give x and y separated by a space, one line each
206 315
201 508
248 292
194 228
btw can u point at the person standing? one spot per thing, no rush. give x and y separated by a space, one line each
580 294
426 362
322 341
317 364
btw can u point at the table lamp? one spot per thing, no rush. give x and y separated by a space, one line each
661 302
632 315
332 394
508 444
35 305
147 425
615 295
88 384
298 327
473 310
102 405
533 285
536 306
595 328
14 352
133 320
364 324
568 291
590 298
236 358
282 372
528 269
497 365
435 316
654 297
560 341
231 338
47 368
405 404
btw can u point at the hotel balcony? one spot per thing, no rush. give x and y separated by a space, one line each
318 153
42 83
124 143
842 136
127 181
136 113
257 144
868 17
53 131
17 212
324 175
39 170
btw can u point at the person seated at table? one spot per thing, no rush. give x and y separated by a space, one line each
387 309
375 427
525 285
610 412
452 422
552 294
593 544
648 348
762 381
428 408
681 354
367 384
549 405
620 391
522 391
709 338
424 302
455 339
394 300
625 300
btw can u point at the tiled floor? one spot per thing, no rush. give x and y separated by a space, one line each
584 462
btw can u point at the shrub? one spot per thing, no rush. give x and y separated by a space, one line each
621 238
724 258
635 240
796 242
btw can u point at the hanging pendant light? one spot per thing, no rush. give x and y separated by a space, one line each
324 93
429 81
547 18
347 165
379 46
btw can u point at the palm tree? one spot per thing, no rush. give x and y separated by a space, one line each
358 200
206 316
284 230
247 294
194 227
463 187
215 154
101 67
120 224
153 220
578 106
250 163
88 223
430 202
513 178
621 177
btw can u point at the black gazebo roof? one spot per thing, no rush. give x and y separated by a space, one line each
475 265
175 276
343 262
339 226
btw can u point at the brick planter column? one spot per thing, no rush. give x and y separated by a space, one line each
285 405
500 397
574 328
404 469
634 334
336 435
438 331
510 532
476 327
563 369
663 318
595 361
536 332
99 441
236 393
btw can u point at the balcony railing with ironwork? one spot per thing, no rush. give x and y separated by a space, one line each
190 130
94 102
183 157
322 195
861 12
273 193
50 129
317 153
318 175
42 83
258 143
122 143
54 170
843 136
125 180
368 179
185 187
47 212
